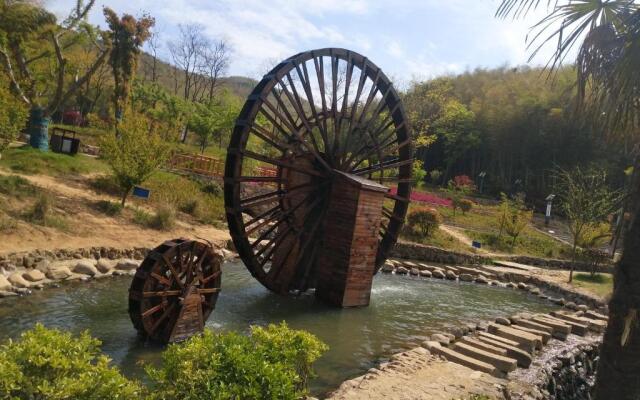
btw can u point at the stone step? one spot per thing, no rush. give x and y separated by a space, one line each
594 325
527 341
544 335
533 325
596 315
483 346
469 362
576 328
505 341
522 357
504 364
559 328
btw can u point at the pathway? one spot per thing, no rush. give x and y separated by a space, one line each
92 228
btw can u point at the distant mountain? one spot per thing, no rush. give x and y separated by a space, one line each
239 85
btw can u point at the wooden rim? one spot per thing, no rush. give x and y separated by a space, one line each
315 113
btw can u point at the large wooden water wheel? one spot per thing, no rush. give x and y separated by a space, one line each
174 290
319 161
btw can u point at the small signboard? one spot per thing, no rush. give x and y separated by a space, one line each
141 192
476 244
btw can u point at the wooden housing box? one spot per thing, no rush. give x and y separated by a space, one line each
350 243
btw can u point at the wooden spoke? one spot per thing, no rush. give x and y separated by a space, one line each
324 113
168 285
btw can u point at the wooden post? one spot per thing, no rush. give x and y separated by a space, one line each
347 259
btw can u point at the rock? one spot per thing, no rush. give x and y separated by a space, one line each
503 363
23 291
571 305
9 267
85 268
402 271
28 262
451 275
583 308
33 275
4 283
522 286
503 321
481 279
5 293
18 281
425 273
387 267
126 265
534 290
511 285
42 265
441 339
103 265
58 273
466 277
559 301
438 273
414 271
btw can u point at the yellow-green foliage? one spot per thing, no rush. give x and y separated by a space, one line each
134 154
13 117
271 363
424 220
465 205
50 364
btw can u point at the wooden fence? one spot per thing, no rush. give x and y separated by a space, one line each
210 166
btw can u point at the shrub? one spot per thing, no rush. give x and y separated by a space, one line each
435 176
141 217
465 205
16 186
424 220
191 207
7 224
109 207
164 218
212 188
272 363
463 181
41 209
50 364
13 117
418 172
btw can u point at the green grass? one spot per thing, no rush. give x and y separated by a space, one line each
110 208
16 187
31 161
600 283
438 238
529 243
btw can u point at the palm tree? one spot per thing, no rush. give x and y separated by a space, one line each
607 36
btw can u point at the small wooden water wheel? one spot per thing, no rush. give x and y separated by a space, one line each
318 175
174 290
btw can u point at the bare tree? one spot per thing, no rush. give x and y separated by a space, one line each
186 53
153 47
215 59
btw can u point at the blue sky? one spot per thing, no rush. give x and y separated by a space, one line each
409 39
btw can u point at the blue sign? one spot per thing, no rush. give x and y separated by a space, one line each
476 244
141 192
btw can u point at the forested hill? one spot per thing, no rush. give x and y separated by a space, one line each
238 85
515 124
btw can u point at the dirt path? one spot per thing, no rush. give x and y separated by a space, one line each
462 238
91 227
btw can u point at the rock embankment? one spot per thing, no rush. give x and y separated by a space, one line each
21 273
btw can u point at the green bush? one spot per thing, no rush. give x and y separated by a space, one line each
109 207
465 205
424 220
41 209
272 363
50 364
212 188
191 207
13 117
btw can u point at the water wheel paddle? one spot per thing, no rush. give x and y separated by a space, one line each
174 290
317 118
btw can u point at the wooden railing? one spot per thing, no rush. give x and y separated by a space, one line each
210 166
197 164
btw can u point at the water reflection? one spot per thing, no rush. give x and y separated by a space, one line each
404 311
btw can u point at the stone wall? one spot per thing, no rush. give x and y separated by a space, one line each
568 376
423 252
557 264
30 259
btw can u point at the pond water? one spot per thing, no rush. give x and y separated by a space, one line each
404 311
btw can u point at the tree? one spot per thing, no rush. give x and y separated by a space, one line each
186 53
50 364
209 121
608 36
586 201
13 117
29 39
127 36
134 154
215 63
